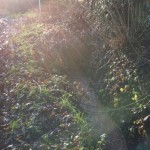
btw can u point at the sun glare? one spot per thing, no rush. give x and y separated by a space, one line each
80 0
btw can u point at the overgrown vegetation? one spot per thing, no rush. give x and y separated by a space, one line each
106 40
41 108
122 64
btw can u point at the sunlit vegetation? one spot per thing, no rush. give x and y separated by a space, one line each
105 41
43 116
42 109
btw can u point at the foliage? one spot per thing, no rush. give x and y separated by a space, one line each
42 108
110 39
56 48
120 67
37 114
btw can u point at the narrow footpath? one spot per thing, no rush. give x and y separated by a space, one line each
99 121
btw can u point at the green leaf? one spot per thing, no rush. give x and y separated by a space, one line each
135 98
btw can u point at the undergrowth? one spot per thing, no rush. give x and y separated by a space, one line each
42 106
110 41
121 65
